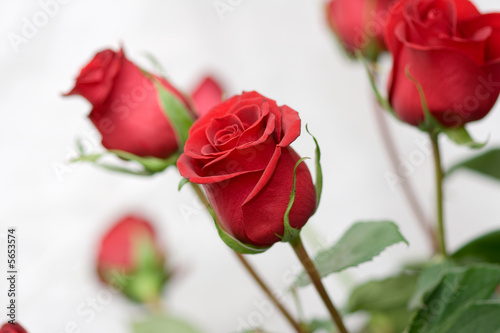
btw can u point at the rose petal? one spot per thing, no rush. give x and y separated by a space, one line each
190 169
291 126
226 199
451 91
263 214
216 112
250 114
466 10
394 22
427 21
266 175
194 147
238 160
217 124
131 118
259 132
206 95
96 79
477 24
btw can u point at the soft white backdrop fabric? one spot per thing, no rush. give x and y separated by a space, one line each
282 49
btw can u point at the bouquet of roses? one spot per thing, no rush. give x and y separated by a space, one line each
236 155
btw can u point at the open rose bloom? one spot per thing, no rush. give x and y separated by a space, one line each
452 51
240 152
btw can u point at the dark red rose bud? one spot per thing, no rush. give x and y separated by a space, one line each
452 51
126 107
12 328
206 95
240 151
130 259
359 24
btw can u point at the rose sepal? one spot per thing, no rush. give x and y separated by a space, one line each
146 281
290 233
235 244
174 110
461 137
458 135
182 182
318 185
383 102
150 165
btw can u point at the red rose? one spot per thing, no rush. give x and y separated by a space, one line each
240 152
206 95
12 328
126 108
130 259
453 51
359 24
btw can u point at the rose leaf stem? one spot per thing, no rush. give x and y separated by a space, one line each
439 193
408 191
253 273
313 274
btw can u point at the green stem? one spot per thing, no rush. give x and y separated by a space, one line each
253 273
313 274
156 306
298 303
439 193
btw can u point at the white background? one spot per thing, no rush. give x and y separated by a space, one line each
282 49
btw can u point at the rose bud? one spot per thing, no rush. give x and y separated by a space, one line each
207 94
130 260
12 328
240 152
452 51
359 24
127 109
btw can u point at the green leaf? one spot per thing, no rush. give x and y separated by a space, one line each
175 111
362 242
386 301
487 163
236 245
456 292
483 249
162 324
384 295
428 280
319 171
290 233
478 317
390 321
